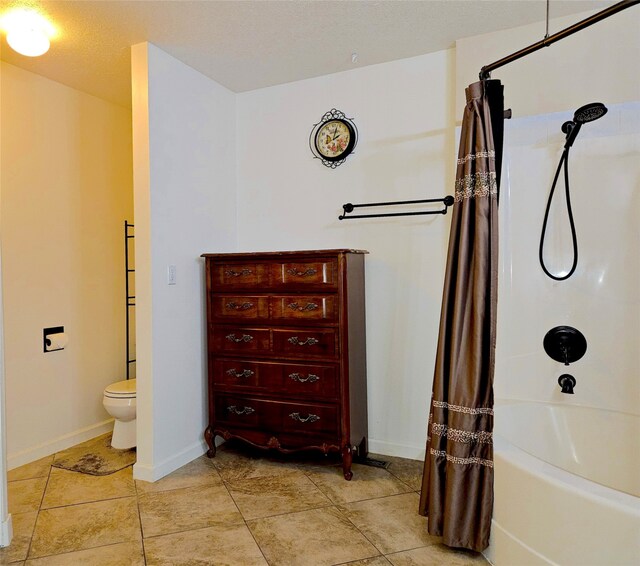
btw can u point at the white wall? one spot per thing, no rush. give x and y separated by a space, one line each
601 298
66 191
598 63
185 205
288 201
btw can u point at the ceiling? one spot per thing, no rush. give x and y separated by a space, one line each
250 44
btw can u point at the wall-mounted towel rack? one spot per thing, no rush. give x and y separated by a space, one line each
348 208
131 299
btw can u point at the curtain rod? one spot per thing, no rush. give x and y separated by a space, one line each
485 72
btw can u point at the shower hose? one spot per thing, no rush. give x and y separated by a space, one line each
564 161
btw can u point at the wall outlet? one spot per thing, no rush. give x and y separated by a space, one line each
171 275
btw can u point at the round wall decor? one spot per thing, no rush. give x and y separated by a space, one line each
333 138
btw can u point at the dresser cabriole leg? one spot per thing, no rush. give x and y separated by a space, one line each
210 438
347 458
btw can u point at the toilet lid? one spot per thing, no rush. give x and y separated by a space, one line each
121 389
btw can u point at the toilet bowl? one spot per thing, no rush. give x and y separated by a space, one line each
119 401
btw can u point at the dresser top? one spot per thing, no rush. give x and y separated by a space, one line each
305 253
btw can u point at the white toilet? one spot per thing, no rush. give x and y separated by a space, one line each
119 400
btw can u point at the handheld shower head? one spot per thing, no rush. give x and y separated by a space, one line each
589 112
584 114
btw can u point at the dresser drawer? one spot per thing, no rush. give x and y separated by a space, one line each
240 307
319 308
319 381
316 343
277 416
241 339
312 273
240 374
250 274
308 418
244 411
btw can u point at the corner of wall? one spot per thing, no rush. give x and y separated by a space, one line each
142 216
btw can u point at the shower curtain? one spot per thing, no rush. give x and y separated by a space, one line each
457 484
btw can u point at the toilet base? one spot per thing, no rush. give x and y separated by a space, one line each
124 435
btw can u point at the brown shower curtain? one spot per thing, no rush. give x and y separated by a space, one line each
457 485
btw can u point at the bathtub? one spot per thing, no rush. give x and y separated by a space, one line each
567 486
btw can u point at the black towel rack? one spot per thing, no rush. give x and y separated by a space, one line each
348 208
131 299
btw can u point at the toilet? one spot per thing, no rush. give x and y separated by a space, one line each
119 400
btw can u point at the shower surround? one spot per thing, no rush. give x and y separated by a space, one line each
600 299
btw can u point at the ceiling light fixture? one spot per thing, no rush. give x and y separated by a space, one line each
28 32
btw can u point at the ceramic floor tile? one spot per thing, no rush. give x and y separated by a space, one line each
69 488
177 510
222 545
391 523
26 495
200 471
23 524
367 483
235 465
319 537
122 554
37 469
273 495
408 471
436 555
78 527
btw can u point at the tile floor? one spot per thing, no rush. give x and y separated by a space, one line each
236 509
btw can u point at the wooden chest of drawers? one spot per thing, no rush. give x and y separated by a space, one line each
286 346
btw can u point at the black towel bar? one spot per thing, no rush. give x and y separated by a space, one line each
348 208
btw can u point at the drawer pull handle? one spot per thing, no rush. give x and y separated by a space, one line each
299 308
307 273
311 378
241 273
307 342
244 411
310 418
243 338
235 373
236 306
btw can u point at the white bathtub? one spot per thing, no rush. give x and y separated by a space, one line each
567 486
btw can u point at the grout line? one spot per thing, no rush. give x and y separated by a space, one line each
35 524
144 550
410 490
360 531
115 497
362 559
245 521
68 552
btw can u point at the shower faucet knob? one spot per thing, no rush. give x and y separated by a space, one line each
565 344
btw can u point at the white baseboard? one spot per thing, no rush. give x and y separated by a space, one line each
395 449
152 473
57 444
6 531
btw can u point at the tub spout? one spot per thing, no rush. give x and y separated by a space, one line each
567 383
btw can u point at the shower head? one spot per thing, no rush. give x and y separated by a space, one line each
584 114
589 112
